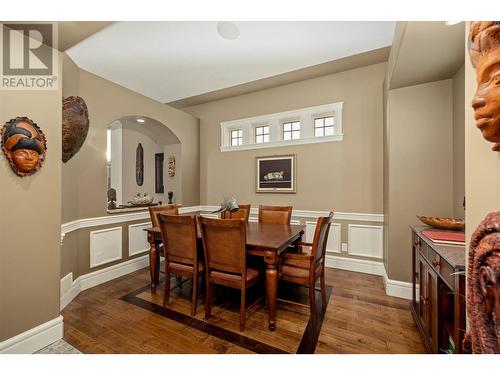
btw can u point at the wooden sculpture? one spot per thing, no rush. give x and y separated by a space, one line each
484 49
24 145
171 166
483 288
75 126
139 165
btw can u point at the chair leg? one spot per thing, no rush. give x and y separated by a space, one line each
194 295
166 292
243 309
323 288
208 307
312 303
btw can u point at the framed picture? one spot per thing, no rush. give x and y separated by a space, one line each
275 174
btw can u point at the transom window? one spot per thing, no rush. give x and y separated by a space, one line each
262 134
236 137
323 126
291 130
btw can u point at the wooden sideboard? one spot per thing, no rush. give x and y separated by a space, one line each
438 297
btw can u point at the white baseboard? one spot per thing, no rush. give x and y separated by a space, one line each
397 288
355 265
92 279
34 339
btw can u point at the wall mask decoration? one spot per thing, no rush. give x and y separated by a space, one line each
139 165
171 166
24 145
484 50
75 126
483 288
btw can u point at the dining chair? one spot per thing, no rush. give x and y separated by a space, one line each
179 234
242 213
306 267
275 214
224 244
155 211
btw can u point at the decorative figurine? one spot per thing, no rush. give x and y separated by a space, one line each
484 50
170 196
111 199
24 145
139 165
171 165
228 205
483 288
75 126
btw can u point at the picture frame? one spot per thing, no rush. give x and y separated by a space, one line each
275 174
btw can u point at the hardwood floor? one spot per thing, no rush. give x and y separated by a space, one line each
359 318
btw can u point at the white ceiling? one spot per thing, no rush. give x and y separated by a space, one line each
169 61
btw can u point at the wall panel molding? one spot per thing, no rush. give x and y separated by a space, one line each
366 240
334 239
138 238
105 246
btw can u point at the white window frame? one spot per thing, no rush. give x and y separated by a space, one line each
292 130
275 122
263 135
240 131
323 127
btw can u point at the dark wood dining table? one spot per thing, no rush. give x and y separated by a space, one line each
264 240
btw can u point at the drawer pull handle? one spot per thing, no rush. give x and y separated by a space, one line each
417 242
436 263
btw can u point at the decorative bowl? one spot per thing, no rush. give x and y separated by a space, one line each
443 222
141 199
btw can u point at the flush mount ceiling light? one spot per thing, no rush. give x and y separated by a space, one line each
141 120
228 30
451 23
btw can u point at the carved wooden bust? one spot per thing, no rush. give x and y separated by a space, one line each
484 49
483 288
24 145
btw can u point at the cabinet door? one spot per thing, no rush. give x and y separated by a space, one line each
432 308
422 309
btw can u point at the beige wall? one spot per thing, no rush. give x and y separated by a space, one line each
30 221
343 176
84 176
459 143
420 165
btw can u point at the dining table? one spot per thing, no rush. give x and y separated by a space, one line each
263 240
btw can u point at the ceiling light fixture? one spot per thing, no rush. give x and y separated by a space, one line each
228 30
451 23
141 120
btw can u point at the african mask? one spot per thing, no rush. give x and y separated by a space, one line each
75 126
24 145
171 166
484 49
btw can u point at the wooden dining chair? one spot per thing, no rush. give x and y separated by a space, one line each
224 243
308 266
275 214
155 211
179 234
242 213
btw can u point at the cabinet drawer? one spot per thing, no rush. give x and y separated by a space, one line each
434 259
445 270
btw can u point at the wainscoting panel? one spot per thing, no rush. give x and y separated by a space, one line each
365 240
333 244
105 246
138 238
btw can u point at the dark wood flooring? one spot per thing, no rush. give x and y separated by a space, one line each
123 316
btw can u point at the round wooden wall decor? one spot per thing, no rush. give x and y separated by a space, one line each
24 145
75 126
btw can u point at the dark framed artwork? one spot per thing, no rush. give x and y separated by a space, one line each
275 174
159 189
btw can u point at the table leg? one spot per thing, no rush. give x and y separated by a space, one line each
153 262
271 287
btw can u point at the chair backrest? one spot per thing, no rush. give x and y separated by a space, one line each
179 234
321 238
224 243
275 214
242 213
169 209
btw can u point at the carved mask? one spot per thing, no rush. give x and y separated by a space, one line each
484 48
24 145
